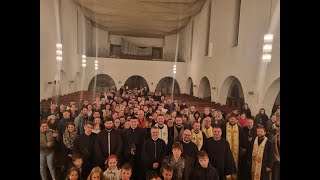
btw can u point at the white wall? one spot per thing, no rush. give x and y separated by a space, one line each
47 47
242 61
70 65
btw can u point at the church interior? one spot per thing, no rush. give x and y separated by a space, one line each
213 62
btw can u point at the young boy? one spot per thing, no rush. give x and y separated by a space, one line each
126 171
205 171
77 163
167 172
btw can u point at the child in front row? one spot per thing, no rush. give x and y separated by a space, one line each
112 172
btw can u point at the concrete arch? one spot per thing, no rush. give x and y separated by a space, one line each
204 91
136 81
189 86
168 85
102 82
229 86
271 95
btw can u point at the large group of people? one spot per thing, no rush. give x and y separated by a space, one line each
133 134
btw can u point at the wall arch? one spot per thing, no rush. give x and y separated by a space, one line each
205 89
189 86
136 82
271 95
167 84
102 83
231 92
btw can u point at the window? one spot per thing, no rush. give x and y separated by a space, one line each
236 23
208 30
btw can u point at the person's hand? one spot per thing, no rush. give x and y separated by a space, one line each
250 139
54 134
49 144
70 155
132 151
155 165
268 169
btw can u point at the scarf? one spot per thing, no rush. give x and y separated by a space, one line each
163 133
232 136
197 138
207 131
257 155
68 138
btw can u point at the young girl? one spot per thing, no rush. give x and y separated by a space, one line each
73 174
117 124
112 172
96 174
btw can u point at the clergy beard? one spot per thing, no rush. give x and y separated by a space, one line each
185 141
108 129
179 126
260 136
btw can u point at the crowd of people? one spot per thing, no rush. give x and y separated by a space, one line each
133 134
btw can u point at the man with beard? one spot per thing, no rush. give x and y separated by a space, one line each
189 148
108 142
154 151
234 134
133 139
83 145
96 114
220 155
81 120
178 129
206 127
262 156
142 121
197 136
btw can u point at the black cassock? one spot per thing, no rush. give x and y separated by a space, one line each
190 149
153 152
101 147
134 138
245 164
209 173
84 145
220 156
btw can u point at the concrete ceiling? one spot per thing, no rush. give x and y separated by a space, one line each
140 18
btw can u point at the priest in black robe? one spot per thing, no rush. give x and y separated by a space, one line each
133 139
189 148
84 145
153 152
108 142
220 155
